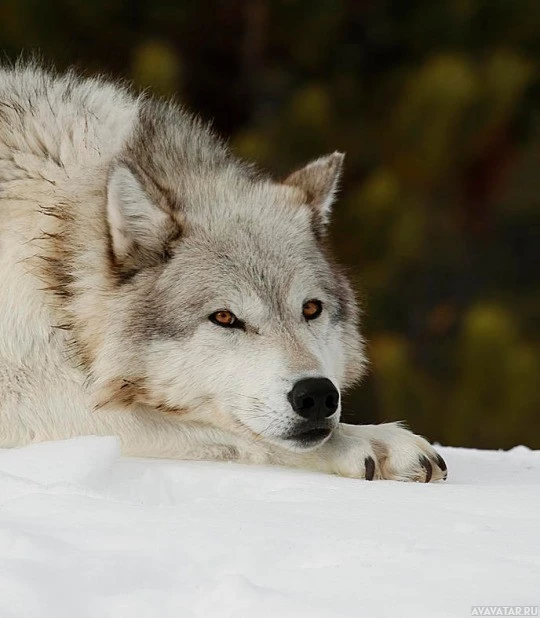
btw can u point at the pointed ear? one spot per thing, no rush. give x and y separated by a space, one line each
318 181
141 232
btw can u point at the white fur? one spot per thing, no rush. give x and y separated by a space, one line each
66 192
132 217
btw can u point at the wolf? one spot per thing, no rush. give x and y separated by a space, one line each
157 288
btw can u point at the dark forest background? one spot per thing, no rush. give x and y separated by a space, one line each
437 105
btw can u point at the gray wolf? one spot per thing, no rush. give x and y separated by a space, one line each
156 288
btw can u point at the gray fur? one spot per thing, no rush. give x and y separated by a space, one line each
124 225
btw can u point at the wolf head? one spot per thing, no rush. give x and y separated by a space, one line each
226 300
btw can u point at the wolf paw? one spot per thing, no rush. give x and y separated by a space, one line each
399 455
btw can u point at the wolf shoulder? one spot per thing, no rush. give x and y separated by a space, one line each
57 125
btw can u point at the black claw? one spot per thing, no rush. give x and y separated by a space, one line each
426 464
370 468
440 462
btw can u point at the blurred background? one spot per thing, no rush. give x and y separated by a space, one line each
437 105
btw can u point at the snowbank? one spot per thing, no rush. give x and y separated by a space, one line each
86 533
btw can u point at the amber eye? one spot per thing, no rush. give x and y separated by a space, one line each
312 309
225 318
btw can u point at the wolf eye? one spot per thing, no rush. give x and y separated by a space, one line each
226 319
312 309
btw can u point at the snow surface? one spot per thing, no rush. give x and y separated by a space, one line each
87 533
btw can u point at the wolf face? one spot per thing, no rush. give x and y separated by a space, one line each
227 299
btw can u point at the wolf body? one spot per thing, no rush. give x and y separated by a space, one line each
156 288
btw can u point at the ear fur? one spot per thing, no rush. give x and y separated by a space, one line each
318 181
140 231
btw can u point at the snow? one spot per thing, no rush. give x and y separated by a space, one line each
85 532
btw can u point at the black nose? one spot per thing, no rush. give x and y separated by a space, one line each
314 398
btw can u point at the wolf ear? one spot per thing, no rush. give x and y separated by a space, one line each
140 231
318 181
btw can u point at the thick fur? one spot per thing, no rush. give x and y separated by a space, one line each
124 224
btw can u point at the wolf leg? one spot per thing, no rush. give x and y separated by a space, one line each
386 451
143 434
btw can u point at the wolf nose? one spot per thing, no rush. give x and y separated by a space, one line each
314 398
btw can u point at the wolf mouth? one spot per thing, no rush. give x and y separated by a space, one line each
311 437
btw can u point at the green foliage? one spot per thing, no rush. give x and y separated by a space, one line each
498 374
437 106
156 66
